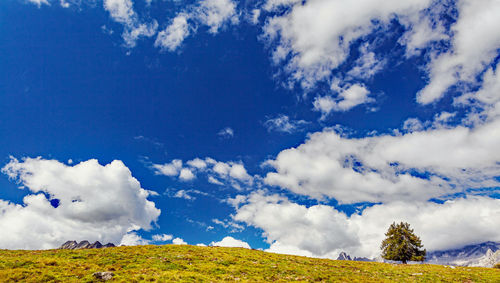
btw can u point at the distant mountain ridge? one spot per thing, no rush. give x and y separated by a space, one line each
486 254
74 245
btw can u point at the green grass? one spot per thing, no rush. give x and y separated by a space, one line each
214 264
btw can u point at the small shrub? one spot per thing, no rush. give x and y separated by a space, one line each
497 265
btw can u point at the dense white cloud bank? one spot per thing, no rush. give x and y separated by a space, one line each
95 203
322 231
378 169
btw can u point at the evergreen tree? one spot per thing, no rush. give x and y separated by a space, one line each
402 244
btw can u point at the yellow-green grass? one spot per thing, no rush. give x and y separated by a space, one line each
214 264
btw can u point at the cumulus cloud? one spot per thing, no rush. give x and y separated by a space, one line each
178 241
197 163
347 99
162 237
169 169
132 239
475 45
87 201
322 231
217 172
414 166
312 56
230 242
283 123
186 175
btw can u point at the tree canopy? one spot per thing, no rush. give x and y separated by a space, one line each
401 244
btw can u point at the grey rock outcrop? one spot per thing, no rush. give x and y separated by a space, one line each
73 245
106 275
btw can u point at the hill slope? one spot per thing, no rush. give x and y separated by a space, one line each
190 263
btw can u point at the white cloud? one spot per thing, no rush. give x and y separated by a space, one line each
122 11
95 202
485 101
162 237
226 133
197 163
186 175
214 181
322 231
367 65
239 172
178 241
424 28
347 99
132 239
336 24
169 169
183 194
217 172
255 16
64 4
173 36
475 44
231 242
235 227
282 123
132 34
316 229
272 5
39 2
215 13
379 168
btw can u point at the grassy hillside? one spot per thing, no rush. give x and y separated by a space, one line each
190 263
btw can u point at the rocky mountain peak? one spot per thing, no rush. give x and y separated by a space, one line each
344 256
73 245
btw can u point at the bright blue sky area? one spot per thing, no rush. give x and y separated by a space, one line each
70 90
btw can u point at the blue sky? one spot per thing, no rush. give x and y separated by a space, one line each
302 127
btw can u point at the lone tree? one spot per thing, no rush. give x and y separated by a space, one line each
402 244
